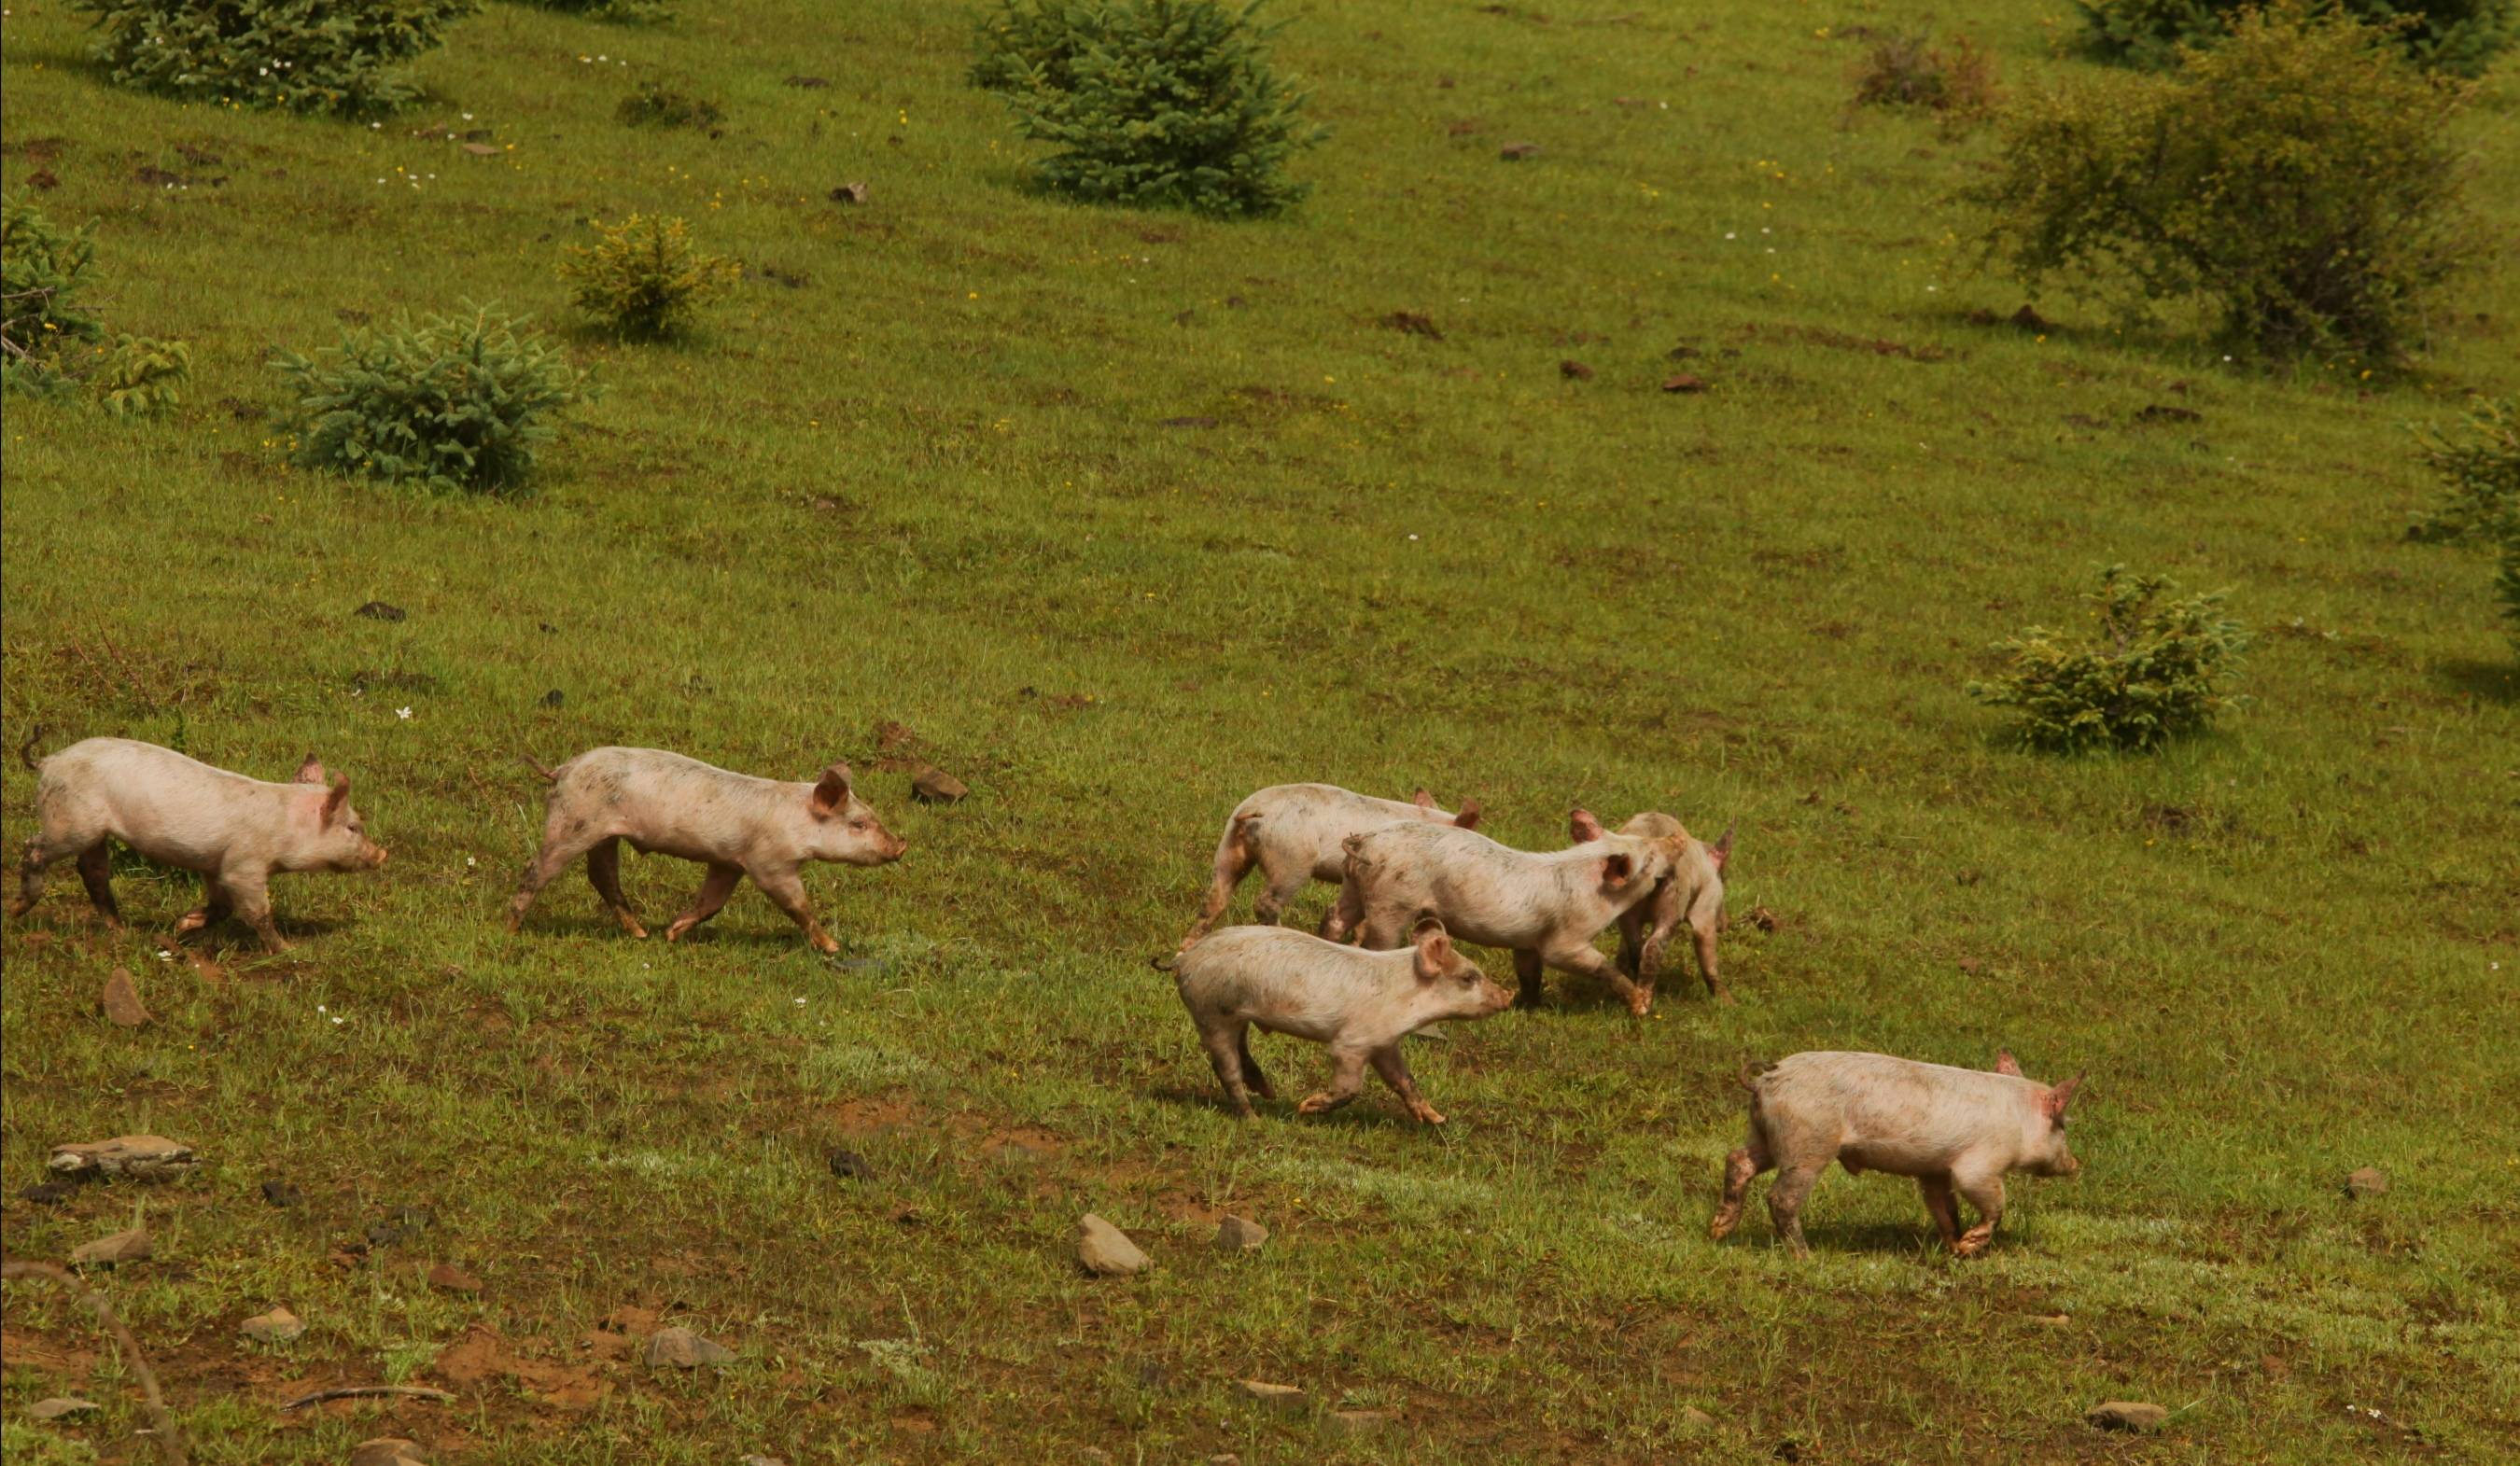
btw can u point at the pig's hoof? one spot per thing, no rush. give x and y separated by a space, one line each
1315 1104
1969 1246
1425 1113
191 921
1719 1229
1640 1005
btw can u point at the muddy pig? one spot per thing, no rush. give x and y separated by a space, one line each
1546 907
738 825
1361 1003
1292 833
235 832
1693 892
1954 1130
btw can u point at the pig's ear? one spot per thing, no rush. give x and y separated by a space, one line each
2061 1097
1425 800
2005 1063
336 799
1468 818
832 792
1583 826
1618 870
1434 948
312 771
1722 850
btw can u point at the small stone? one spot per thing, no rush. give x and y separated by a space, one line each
1514 152
59 1406
278 1327
122 1000
849 1166
2125 1415
850 193
122 1247
1283 1396
936 786
446 1277
1225 1458
280 1194
386 1450
47 1193
761 1461
681 1348
140 1157
1970 964
378 610
1682 381
1692 1419
1105 1250
2370 1181
1240 1234
1361 1422
1574 371
554 698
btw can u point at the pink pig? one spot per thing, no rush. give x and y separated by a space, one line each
1692 892
1292 833
235 832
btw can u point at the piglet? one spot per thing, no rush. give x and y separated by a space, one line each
1292 833
1954 1130
739 825
1546 906
1361 1003
1692 892
235 832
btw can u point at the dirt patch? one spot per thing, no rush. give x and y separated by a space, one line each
1839 341
482 1356
19 1349
881 1116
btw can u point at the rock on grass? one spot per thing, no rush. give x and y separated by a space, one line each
2126 1415
1106 1250
681 1348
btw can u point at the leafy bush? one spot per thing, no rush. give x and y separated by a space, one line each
2478 464
1907 69
2506 585
644 276
610 10
457 402
143 378
655 105
336 56
2451 36
2156 670
2300 180
1148 101
43 268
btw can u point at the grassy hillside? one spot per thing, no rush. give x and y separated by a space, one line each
1127 515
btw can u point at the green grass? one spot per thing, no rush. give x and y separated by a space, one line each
934 483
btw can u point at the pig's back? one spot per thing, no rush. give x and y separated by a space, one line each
168 806
1318 818
1891 1110
1284 980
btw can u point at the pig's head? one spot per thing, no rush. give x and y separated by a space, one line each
843 827
1454 983
341 840
2048 1154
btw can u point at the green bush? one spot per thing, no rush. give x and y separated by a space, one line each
143 378
2478 464
655 105
2155 670
2299 180
2462 36
609 10
43 269
457 402
1148 102
1906 68
335 57
643 278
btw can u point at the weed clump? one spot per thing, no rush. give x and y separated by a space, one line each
2460 36
2507 583
643 278
332 56
1148 101
2156 669
1908 69
143 377
457 402
655 105
2479 464
610 10
44 267
2299 180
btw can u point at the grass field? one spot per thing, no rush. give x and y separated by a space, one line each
1127 515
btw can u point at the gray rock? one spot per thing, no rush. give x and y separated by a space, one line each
386 1450
761 1461
1240 1234
59 1406
2125 1415
141 1157
1361 1422
1105 1250
278 1327
1694 1419
681 1348
122 1000
933 785
1282 1396
122 1247
2370 1181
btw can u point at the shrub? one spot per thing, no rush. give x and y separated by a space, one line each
2506 584
335 57
610 10
143 378
1907 69
43 268
1148 101
642 276
2156 670
2462 36
2478 464
655 105
457 402
2299 180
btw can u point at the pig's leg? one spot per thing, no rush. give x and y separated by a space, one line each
1985 1191
1786 1195
786 891
1740 1168
97 875
1527 968
213 910
715 888
251 892
1347 1079
1582 960
1225 1045
1252 1075
604 868
1394 1070
30 874
562 842
1940 1206
1703 937
1286 880
1632 942
1385 928
1234 857
1345 915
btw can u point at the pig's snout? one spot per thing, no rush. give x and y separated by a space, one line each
376 856
896 848
1493 999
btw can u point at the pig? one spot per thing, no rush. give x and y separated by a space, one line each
1954 1130
1292 833
1693 892
1361 1003
1546 906
739 825
178 811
